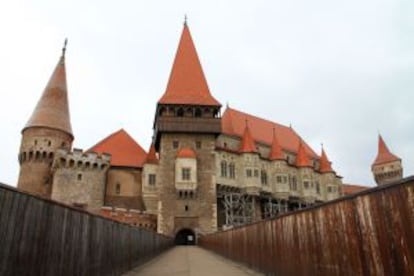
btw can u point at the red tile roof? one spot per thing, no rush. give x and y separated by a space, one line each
125 152
276 152
152 156
233 123
247 143
187 83
325 165
349 189
52 109
302 159
186 153
384 154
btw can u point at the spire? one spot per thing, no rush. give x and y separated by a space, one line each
52 109
325 165
247 144
187 83
384 154
152 156
276 152
302 159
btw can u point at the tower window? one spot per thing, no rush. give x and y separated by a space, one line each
198 144
118 188
49 143
35 142
232 171
186 208
175 144
223 168
186 174
79 177
151 179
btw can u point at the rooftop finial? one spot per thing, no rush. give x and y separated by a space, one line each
185 19
64 47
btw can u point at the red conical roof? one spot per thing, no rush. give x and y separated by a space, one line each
52 109
152 156
384 154
124 150
276 152
247 143
187 83
302 159
325 165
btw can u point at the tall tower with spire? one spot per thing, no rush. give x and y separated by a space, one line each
47 130
187 122
386 167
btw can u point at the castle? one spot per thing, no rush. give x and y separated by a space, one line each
205 170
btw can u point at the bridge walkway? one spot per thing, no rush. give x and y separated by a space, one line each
191 261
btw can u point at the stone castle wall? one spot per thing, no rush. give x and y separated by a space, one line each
199 211
37 150
79 178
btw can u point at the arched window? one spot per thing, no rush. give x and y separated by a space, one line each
223 167
232 171
118 188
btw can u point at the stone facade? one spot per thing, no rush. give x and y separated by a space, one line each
182 209
79 178
37 151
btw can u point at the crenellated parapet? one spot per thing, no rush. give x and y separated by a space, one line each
77 159
79 178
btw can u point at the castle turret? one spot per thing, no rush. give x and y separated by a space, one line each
47 130
387 167
187 118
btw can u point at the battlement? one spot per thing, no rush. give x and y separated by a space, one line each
80 159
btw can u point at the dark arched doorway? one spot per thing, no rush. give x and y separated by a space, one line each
185 237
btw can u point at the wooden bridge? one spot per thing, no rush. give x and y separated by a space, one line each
370 233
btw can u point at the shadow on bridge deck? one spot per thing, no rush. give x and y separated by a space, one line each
189 261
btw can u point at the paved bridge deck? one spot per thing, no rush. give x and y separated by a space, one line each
189 261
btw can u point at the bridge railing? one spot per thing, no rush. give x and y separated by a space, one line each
370 233
42 237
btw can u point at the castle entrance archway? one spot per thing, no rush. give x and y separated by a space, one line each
185 237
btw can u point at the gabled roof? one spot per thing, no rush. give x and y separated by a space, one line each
276 152
52 109
325 165
233 123
186 153
384 154
152 156
247 144
302 159
125 152
187 83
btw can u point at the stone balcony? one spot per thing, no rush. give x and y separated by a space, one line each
185 186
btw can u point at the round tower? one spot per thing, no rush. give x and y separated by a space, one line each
387 167
47 130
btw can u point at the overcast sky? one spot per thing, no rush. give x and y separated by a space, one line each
338 71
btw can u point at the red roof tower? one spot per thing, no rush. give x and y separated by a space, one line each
276 152
302 159
325 164
247 144
384 154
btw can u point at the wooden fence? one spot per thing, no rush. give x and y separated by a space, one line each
370 233
42 237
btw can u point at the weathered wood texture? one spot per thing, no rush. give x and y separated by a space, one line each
370 233
42 237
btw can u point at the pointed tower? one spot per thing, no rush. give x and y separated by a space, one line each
187 117
276 152
325 165
387 167
302 159
247 144
47 130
